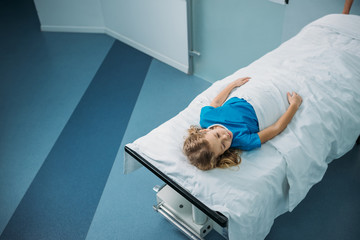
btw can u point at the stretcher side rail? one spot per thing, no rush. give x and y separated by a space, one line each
218 217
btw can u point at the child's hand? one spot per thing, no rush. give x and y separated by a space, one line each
241 81
294 98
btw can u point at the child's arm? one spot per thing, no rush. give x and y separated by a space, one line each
222 96
270 132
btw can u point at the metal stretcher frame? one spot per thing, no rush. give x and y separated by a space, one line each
217 217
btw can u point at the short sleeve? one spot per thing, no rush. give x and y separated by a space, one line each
248 141
204 119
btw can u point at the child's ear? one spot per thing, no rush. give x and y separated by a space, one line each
204 130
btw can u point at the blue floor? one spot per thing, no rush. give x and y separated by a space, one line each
76 170
69 101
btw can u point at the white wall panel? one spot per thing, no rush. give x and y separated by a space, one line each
157 27
70 15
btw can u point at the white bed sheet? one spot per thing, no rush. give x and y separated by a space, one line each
322 64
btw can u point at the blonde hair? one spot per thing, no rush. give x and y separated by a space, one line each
198 151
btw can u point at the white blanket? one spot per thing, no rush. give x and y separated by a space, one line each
322 64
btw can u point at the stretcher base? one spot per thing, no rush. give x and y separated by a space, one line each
180 213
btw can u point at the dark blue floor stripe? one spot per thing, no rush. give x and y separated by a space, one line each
62 199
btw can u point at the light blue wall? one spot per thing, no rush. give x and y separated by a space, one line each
301 12
230 34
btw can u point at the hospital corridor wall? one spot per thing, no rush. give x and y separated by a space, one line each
69 101
158 28
232 34
227 34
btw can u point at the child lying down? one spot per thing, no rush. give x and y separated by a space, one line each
230 126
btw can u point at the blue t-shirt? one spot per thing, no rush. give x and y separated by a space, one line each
239 117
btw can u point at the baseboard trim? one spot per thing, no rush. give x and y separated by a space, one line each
75 29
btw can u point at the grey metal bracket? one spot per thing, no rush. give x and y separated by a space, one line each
194 53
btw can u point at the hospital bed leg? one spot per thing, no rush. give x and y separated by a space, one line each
186 217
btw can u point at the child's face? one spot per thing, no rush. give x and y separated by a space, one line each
219 138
